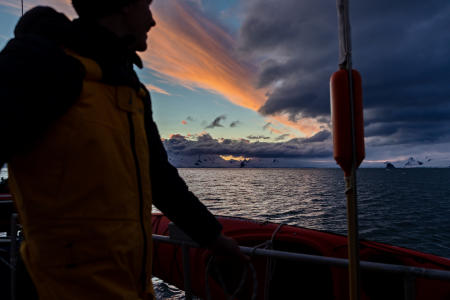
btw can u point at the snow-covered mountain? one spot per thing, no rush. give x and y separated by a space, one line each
216 161
412 162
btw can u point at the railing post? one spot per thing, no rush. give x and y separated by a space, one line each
176 233
12 254
409 287
186 271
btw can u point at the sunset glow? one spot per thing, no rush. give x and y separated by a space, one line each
230 72
305 126
237 158
156 89
194 52
188 49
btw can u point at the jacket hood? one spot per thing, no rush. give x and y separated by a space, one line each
45 22
84 36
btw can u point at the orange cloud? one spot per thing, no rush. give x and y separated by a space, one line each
273 130
183 122
175 136
191 50
187 48
156 89
306 126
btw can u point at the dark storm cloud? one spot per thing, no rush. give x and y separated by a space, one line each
216 122
319 137
259 137
267 125
409 125
297 35
282 137
295 148
235 123
401 48
189 118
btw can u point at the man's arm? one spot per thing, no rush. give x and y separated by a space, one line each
172 196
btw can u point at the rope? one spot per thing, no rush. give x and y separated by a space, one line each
222 283
270 266
268 244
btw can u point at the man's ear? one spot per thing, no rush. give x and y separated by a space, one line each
126 8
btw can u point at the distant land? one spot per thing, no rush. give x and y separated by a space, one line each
217 161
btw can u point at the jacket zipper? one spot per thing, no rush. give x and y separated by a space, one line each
141 202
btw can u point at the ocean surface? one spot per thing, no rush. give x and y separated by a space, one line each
402 207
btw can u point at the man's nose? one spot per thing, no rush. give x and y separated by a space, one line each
152 21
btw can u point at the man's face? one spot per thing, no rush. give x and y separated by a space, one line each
139 19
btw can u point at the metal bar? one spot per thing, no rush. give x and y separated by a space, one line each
409 285
339 262
186 271
352 226
12 253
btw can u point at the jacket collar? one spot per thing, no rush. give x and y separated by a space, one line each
112 53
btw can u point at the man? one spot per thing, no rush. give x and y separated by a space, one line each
85 158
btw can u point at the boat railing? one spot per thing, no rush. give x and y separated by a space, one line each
408 273
176 236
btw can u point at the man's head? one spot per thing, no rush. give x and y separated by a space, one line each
123 17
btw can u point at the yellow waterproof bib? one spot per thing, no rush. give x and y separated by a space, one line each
84 197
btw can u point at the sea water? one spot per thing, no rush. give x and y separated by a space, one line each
402 207
3 172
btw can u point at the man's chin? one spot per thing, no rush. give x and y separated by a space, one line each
141 48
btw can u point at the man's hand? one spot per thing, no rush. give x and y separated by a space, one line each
228 247
229 263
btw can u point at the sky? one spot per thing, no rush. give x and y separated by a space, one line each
248 80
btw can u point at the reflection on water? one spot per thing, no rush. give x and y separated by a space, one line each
3 172
405 207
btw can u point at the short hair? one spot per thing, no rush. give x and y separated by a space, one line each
94 9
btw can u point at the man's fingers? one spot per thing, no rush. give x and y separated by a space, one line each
228 247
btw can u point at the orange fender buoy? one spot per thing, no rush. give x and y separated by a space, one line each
341 119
